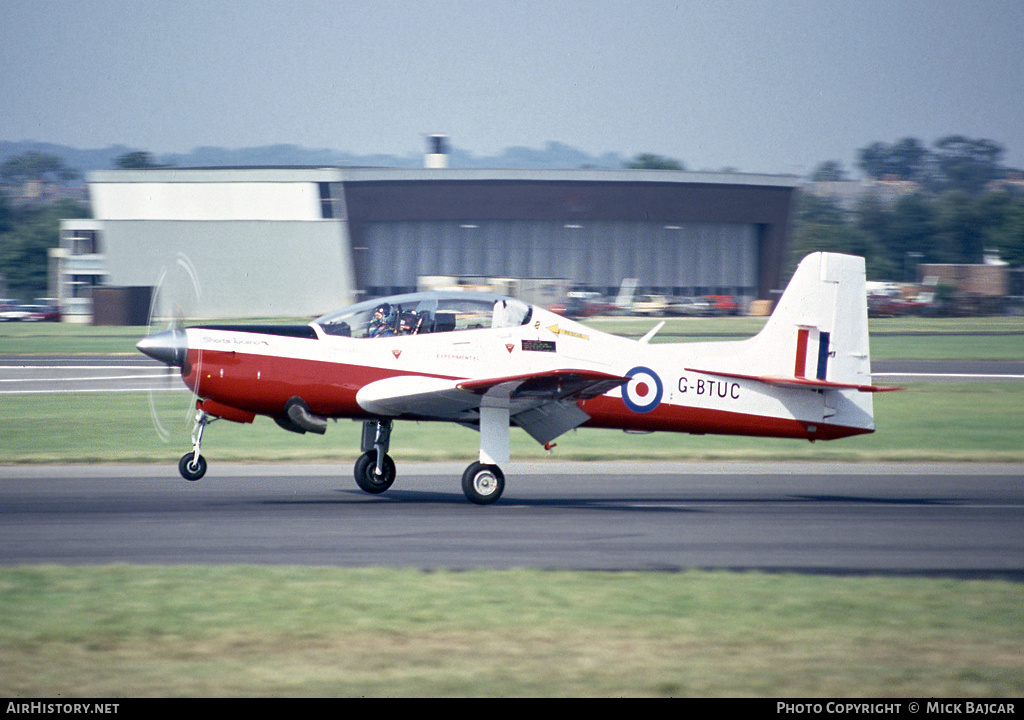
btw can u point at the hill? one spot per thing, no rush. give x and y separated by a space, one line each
554 155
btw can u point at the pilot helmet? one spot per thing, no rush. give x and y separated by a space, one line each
407 320
384 310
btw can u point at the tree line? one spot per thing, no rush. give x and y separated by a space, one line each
958 203
28 230
959 209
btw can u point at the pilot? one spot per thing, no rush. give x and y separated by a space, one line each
380 325
407 323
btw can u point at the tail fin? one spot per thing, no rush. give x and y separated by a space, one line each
815 340
819 330
817 337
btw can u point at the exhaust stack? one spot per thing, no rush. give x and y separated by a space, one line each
437 151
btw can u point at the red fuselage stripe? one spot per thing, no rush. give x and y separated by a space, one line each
263 384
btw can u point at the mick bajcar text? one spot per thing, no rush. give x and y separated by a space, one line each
895 708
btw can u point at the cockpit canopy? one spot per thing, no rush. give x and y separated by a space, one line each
425 312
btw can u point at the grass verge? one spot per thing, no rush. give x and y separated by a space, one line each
282 631
967 422
991 338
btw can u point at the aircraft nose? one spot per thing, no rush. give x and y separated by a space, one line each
169 347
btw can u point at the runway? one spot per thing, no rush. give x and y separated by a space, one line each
931 519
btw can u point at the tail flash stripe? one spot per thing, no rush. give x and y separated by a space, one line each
801 353
823 354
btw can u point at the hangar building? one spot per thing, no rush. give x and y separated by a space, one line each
274 242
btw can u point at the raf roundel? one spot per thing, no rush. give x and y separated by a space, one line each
644 390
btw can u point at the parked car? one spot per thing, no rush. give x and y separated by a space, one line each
724 304
13 313
579 305
690 307
30 313
43 313
650 305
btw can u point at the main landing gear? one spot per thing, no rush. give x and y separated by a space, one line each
375 470
482 483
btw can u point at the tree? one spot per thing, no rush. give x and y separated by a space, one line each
967 165
6 214
36 166
956 163
829 171
24 247
959 230
1006 232
818 209
907 159
647 161
138 160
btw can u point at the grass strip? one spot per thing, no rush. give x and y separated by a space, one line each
285 631
972 421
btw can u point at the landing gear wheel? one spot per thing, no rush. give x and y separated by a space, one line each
366 473
483 484
191 467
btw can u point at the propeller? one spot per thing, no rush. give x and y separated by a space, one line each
176 298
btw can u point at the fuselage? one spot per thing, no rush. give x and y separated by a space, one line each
492 362
259 370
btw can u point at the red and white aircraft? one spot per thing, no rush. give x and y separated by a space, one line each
491 362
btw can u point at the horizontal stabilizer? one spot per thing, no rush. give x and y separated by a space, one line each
798 382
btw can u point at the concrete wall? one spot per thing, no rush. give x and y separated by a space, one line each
240 268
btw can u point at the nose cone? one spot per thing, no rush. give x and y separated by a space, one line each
169 347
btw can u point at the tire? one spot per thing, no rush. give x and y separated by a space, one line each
483 484
366 475
190 470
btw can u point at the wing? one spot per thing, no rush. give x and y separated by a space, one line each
544 404
552 385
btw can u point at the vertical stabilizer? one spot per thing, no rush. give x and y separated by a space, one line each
816 341
819 329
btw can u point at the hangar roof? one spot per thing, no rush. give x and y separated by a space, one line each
352 174
402 195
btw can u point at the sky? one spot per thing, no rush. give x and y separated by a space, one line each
775 86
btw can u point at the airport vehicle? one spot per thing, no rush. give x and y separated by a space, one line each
492 362
41 311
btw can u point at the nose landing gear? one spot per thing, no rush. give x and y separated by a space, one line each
192 465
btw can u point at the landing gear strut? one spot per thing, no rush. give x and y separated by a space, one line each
192 465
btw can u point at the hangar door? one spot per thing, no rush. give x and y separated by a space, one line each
685 258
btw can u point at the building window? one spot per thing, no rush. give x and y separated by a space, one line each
84 242
326 203
81 285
